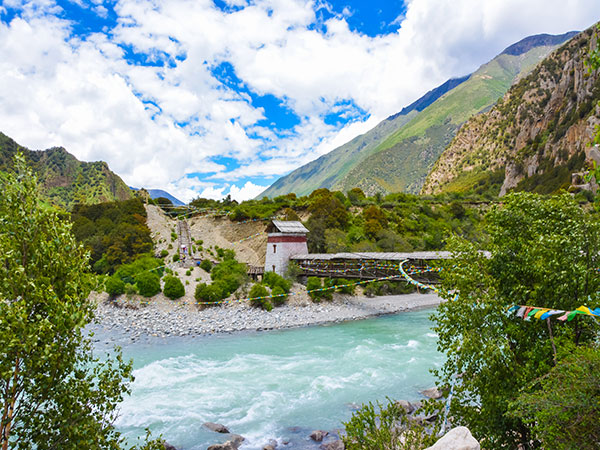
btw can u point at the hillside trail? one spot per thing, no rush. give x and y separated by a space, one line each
213 231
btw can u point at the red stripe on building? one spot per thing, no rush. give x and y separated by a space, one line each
276 239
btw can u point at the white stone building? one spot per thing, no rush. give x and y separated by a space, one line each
285 239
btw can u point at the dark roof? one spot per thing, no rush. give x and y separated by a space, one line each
283 226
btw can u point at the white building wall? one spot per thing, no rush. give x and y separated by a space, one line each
279 253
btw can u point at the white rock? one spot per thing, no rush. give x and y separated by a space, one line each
459 438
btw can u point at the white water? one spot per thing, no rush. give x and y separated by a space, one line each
275 385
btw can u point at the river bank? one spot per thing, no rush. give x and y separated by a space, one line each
162 317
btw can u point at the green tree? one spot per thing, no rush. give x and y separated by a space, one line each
564 407
543 252
173 287
54 393
148 283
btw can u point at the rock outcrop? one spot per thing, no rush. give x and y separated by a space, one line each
459 438
535 137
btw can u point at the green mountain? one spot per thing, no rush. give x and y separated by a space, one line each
65 180
535 137
398 153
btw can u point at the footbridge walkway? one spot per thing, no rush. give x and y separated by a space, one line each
370 265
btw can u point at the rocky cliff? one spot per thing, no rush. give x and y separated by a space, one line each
535 137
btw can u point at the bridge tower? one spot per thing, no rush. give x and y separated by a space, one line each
285 239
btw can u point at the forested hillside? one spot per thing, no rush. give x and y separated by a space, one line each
64 180
537 135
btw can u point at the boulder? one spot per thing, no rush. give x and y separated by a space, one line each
236 439
334 445
168 446
406 406
225 446
216 427
318 435
459 438
268 447
433 393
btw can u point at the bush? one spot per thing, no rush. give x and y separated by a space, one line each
312 284
173 288
565 402
176 257
164 253
206 265
277 301
208 293
345 286
114 286
188 272
257 294
130 289
273 280
390 428
148 284
128 272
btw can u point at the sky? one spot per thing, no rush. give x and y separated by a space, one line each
205 98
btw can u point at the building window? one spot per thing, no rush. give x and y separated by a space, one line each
274 248
273 268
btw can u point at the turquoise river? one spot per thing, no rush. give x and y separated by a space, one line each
276 385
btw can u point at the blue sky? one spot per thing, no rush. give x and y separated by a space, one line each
216 97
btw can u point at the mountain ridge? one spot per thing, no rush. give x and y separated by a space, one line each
397 154
63 179
535 137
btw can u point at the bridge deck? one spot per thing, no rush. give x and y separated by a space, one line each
377 256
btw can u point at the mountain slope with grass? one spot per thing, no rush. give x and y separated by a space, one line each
537 135
64 180
398 153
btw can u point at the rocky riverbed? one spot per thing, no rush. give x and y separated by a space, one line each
162 317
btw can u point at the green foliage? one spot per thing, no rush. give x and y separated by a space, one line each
148 283
345 286
164 253
129 272
279 296
227 277
314 283
114 286
176 257
173 287
115 233
208 293
257 294
378 288
206 265
55 393
274 280
544 252
387 429
563 409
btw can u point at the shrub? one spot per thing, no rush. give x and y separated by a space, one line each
173 236
208 293
130 289
206 265
164 253
273 280
128 272
258 291
114 286
176 257
312 284
390 428
173 288
345 286
188 272
277 301
148 284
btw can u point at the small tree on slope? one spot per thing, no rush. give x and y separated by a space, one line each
53 393
544 252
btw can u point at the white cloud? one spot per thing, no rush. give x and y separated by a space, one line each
156 124
246 192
